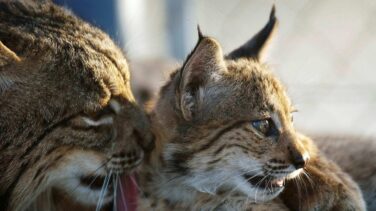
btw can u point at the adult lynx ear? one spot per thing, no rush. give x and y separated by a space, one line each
7 56
202 65
256 47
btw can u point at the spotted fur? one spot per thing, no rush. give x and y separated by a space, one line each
67 114
210 154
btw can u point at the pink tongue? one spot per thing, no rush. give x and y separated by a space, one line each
127 195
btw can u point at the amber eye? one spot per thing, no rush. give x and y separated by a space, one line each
265 126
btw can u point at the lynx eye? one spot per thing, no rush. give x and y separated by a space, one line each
97 118
106 111
265 126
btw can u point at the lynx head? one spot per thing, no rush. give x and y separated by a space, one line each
68 119
226 124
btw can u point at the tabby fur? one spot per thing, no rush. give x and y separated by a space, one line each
211 153
67 114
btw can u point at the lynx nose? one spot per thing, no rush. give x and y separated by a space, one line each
298 157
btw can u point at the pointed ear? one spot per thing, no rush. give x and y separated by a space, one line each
256 47
204 64
7 56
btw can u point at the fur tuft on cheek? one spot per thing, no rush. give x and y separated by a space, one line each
64 174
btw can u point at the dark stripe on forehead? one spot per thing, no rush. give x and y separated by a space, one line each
218 135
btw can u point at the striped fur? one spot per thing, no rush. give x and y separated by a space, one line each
67 114
210 152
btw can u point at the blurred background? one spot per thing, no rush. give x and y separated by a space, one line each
324 52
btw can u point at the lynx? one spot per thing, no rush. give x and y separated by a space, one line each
225 140
68 120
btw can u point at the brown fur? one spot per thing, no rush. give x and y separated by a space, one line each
208 148
355 156
66 109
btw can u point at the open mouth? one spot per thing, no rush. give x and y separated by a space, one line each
265 182
96 182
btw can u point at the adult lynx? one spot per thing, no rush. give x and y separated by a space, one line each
68 120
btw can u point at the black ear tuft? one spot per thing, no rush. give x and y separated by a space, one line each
255 48
200 35
272 13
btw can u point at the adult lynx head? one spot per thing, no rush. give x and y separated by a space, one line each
67 114
225 125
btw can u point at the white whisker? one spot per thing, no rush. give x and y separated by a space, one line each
137 186
233 189
122 193
103 191
232 176
257 186
92 173
299 192
115 179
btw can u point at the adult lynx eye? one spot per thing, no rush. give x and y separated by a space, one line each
265 126
101 113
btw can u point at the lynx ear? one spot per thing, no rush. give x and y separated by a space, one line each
256 47
7 56
202 65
